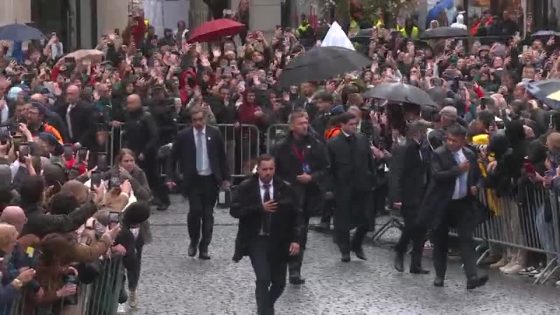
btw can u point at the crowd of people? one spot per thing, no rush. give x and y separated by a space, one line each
71 195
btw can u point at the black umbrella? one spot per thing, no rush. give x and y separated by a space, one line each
444 32
322 63
400 93
19 33
542 89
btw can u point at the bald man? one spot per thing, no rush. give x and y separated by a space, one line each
77 115
141 136
15 216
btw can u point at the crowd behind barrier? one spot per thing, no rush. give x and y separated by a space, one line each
528 221
100 297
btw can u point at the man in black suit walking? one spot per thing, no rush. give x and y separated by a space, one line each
78 116
408 179
270 230
353 171
449 202
200 153
301 160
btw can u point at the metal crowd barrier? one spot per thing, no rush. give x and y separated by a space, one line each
526 222
101 297
242 145
275 134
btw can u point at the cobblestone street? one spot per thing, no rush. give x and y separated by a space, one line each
173 283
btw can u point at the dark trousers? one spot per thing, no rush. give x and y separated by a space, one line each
359 202
378 203
151 166
308 204
160 190
459 214
295 264
412 233
328 210
202 196
344 242
133 274
270 272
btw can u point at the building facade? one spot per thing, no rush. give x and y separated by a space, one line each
78 23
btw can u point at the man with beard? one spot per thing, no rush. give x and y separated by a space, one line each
301 161
36 122
200 152
269 230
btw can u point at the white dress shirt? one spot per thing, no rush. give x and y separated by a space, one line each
263 190
205 170
461 183
4 112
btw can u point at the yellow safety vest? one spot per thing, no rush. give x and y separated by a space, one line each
415 32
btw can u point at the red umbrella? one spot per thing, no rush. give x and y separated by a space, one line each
215 29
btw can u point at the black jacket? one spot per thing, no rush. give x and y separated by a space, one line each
140 133
444 171
83 122
287 221
408 174
352 166
184 153
288 166
41 224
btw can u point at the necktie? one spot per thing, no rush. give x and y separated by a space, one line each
199 153
461 177
266 220
69 121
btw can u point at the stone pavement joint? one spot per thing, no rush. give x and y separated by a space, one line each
172 283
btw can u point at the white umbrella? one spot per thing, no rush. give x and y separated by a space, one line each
337 38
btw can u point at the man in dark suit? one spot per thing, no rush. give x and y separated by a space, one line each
270 230
301 160
408 179
324 102
449 202
200 153
79 118
306 102
353 171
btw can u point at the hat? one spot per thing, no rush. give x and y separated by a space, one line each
337 110
136 213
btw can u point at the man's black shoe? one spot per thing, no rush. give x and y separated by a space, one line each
438 282
474 283
360 253
297 280
192 250
399 262
203 255
162 207
419 271
345 257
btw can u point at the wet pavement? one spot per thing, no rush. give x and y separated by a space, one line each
173 283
